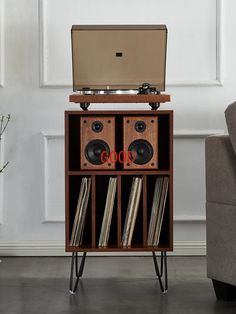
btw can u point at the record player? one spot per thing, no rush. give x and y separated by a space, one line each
119 59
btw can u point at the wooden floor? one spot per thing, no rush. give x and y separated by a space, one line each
109 285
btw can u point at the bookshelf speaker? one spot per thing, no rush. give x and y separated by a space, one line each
97 142
140 138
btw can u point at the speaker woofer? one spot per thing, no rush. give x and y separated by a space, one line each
140 126
143 151
94 150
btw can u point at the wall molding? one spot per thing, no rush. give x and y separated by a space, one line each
45 82
219 42
54 134
185 133
218 81
198 134
189 219
57 248
1 198
2 43
47 135
43 44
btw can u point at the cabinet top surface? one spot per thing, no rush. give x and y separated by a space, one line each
76 98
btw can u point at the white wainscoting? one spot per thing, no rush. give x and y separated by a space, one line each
1 198
57 248
188 175
54 192
2 43
194 62
189 178
53 161
1 178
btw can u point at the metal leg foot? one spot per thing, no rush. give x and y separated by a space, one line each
162 271
78 271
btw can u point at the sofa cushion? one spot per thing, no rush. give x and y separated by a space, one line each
230 116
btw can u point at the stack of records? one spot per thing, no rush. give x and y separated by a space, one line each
79 220
132 211
157 213
106 223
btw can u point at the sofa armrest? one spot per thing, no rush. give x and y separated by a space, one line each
220 170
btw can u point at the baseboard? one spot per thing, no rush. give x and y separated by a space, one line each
57 248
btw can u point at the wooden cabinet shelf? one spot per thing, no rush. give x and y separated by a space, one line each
115 173
99 184
119 249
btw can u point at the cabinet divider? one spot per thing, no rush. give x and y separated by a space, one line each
145 211
119 197
93 203
170 209
171 183
119 211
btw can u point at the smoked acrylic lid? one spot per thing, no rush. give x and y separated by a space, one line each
118 57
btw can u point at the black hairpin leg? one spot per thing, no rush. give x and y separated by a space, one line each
78 271
162 271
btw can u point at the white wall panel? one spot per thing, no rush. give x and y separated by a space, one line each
1 178
2 39
54 191
57 248
189 178
1 198
192 43
35 36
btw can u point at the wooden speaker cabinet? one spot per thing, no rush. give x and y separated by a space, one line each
140 138
163 141
118 134
97 140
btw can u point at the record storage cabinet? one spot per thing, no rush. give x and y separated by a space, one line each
99 185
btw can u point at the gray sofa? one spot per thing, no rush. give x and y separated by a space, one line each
221 208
